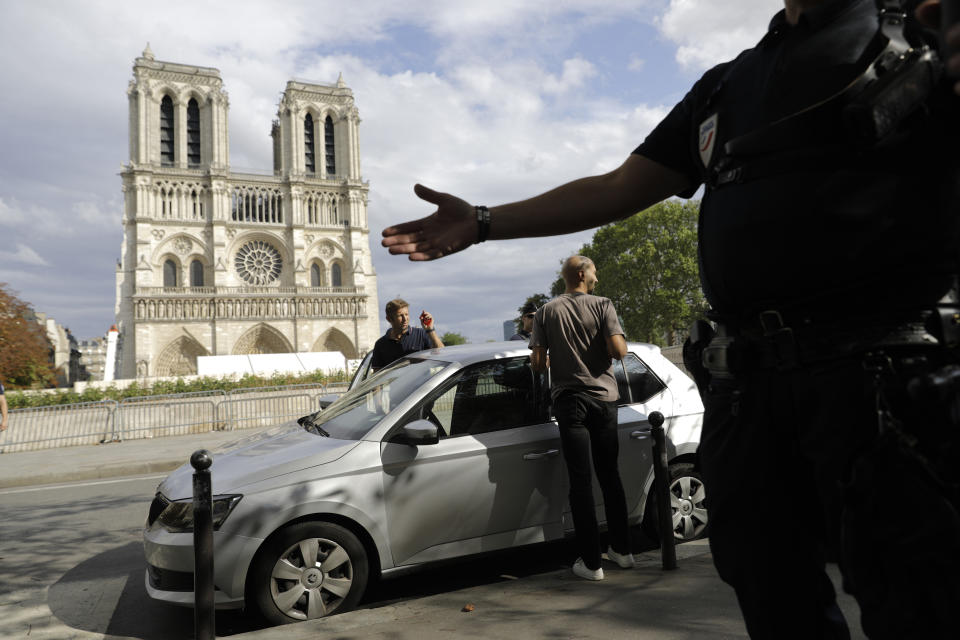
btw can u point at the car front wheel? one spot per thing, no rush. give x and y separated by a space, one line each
687 502
309 570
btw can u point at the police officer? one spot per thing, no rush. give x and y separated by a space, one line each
828 247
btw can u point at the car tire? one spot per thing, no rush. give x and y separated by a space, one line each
688 496
308 570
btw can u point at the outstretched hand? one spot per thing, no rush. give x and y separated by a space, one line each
451 228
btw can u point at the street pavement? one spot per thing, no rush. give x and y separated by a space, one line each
646 602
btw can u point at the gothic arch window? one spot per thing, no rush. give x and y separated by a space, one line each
336 276
196 274
193 133
169 273
316 278
328 146
196 202
166 132
309 150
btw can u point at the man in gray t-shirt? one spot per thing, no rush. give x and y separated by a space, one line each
580 333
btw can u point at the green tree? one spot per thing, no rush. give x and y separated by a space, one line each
647 265
24 347
538 299
451 338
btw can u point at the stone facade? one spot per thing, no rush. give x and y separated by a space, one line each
223 263
64 352
93 358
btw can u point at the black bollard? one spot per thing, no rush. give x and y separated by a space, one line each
661 485
203 615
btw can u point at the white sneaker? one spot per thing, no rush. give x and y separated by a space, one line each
624 560
581 571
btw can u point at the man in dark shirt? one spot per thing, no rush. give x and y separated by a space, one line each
825 250
401 339
526 322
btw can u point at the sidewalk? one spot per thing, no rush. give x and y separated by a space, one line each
110 460
647 602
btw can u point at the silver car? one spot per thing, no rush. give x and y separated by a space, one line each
443 454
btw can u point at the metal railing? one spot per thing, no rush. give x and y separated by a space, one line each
159 416
66 425
169 415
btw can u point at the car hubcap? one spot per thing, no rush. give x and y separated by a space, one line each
689 513
311 578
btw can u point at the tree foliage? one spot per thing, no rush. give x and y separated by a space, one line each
647 265
24 347
451 338
538 299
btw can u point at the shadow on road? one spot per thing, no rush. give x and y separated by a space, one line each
106 593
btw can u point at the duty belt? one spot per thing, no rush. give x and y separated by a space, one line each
765 341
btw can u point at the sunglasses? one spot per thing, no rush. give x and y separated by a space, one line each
529 315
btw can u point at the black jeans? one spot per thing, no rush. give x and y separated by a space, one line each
777 451
588 430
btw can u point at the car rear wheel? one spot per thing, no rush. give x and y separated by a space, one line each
309 570
687 501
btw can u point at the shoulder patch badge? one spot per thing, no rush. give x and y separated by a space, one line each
708 137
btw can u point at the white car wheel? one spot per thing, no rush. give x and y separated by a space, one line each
687 501
309 570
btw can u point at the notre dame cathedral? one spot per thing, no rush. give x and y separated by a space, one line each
219 263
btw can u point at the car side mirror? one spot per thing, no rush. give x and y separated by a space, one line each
327 400
421 432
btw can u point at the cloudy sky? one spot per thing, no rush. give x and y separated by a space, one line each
491 100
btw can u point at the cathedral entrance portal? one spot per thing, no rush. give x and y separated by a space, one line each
262 339
335 340
179 358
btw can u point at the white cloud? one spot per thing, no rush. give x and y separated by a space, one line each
636 64
10 214
25 255
710 32
575 73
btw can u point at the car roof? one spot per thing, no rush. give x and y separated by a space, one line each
466 354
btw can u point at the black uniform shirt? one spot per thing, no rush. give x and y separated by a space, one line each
842 228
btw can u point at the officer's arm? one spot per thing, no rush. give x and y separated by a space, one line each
582 204
616 347
538 359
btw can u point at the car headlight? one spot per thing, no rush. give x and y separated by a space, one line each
178 516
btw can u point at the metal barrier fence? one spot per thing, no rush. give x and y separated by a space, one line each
61 425
169 415
249 413
158 416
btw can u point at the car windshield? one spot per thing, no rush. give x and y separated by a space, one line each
359 409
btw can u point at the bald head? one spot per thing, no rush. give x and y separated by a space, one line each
580 274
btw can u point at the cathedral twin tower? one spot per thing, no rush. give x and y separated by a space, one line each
223 263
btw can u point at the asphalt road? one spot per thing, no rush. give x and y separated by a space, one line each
71 566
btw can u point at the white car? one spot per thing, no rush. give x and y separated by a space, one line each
443 454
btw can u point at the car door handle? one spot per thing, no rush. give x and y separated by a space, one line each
537 455
640 435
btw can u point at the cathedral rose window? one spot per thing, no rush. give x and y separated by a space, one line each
258 262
